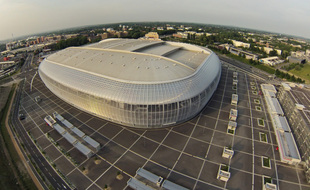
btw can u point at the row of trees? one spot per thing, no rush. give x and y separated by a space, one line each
292 66
288 77
203 40
135 34
2 47
76 41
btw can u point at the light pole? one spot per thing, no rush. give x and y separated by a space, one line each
32 80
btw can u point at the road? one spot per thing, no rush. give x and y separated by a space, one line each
27 64
250 70
36 156
23 71
22 137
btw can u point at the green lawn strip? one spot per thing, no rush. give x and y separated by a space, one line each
7 180
25 179
265 68
303 73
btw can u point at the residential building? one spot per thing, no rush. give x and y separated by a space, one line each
240 44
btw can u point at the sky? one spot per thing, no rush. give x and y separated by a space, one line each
26 17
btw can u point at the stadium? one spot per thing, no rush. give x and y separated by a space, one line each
136 83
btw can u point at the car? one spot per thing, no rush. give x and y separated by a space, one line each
37 99
21 116
159 181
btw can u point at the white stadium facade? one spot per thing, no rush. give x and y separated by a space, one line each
137 83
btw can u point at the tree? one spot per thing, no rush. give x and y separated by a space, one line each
77 41
97 39
284 54
287 76
297 68
36 52
21 62
224 51
252 62
136 35
264 55
273 53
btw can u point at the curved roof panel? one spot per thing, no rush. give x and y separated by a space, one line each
133 61
135 93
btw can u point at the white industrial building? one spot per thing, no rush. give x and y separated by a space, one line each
145 180
272 61
287 146
240 44
83 137
233 114
69 137
268 50
234 99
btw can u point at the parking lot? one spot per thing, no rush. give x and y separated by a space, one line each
188 154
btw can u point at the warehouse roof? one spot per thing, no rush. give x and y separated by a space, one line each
134 60
288 148
274 105
281 123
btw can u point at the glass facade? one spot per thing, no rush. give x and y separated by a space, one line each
132 104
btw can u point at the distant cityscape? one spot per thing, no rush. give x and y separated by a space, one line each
282 54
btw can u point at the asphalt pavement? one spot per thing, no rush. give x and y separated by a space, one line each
32 152
188 154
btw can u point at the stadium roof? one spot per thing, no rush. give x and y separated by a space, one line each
130 60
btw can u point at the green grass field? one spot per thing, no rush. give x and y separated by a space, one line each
304 73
